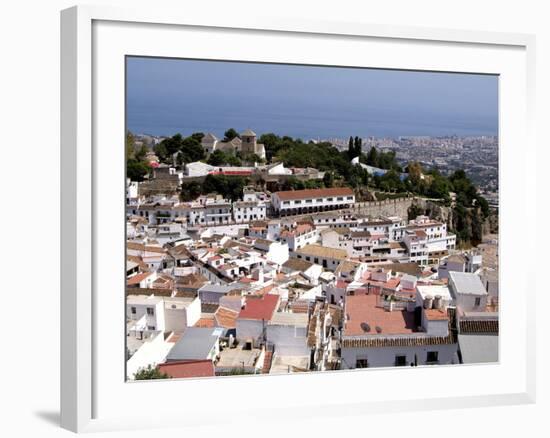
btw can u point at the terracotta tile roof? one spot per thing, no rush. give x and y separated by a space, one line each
405 341
225 317
184 369
205 323
362 309
313 193
140 247
435 314
148 291
479 326
209 307
138 278
260 308
297 265
323 251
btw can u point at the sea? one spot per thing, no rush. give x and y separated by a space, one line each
310 122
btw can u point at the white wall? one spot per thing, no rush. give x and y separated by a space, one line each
249 329
289 340
385 357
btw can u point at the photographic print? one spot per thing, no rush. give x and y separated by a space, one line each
296 218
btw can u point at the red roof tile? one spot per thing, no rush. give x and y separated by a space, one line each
138 278
362 309
184 369
260 308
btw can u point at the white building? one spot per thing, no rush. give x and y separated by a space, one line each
145 313
288 332
468 290
246 211
328 258
180 313
309 201
246 143
375 337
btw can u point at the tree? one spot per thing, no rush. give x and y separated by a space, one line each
190 191
230 134
228 186
358 146
191 150
219 158
372 157
351 149
130 144
136 170
141 153
197 136
150 373
328 179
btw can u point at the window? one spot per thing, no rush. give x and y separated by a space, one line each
350 198
478 302
320 200
150 327
339 198
309 201
286 202
432 357
361 363
150 311
400 361
133 310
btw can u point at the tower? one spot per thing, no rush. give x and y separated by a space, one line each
248 138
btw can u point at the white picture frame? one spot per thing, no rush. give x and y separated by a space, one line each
93 393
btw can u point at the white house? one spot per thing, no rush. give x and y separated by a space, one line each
308 201
181 312
288 332
254 316
145 313
328 258
468 290
374 336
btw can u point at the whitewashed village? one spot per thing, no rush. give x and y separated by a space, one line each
298 270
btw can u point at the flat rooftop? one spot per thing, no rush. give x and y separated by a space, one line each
434 290
362 311
287 318
237 357
466 283
289 364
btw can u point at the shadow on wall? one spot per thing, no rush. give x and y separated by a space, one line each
51 417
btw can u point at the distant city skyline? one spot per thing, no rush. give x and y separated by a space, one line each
166 96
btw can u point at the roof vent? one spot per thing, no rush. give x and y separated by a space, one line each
378 329
365 327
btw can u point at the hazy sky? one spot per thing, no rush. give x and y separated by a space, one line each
165 96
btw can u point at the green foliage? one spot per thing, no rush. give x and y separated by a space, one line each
234 372
136 170
293 183
230 134
130 145
150 373
190 191
250 158
188 149
220 158
230 187
141 153
328 179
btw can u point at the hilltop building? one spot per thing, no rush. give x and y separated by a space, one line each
246 143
